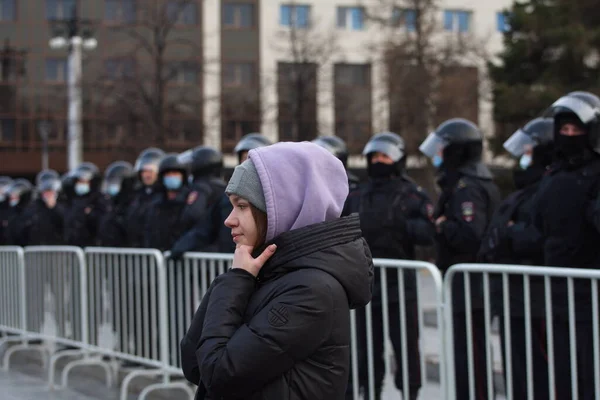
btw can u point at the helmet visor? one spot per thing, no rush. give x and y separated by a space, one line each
389 149
519 143
585 112
432 145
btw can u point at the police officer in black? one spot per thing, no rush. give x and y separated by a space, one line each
563 212
395 216
67 189
42 221
206 210
164 220
5 183
338 148
88 206
249 142
511 238
19 194
146 168
119 180
467 202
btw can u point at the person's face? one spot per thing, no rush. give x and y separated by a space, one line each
244 229
378 157
243 156
569 129
148 176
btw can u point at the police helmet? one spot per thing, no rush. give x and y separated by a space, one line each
88 171
5 183
116 174
47 179
388 143
251 141
583 105
170 162
21 188
459 141
537 132
206 161
335 145
67 186
149 159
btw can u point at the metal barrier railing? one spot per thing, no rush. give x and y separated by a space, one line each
546 284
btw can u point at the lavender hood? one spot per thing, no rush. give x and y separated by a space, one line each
303 184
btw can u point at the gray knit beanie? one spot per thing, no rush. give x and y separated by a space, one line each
245 183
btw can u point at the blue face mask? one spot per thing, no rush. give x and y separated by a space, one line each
437 161
525 161
13 202
113 189
172 182
82 188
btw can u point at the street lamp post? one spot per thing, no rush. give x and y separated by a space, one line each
76 35
44 130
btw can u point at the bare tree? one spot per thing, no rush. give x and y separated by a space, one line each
305 49
432 74
157 88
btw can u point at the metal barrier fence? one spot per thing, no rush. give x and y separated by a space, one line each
12 290
562 311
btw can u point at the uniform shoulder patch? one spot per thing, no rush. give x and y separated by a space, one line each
192 197
467 211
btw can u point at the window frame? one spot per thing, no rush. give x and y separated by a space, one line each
238 16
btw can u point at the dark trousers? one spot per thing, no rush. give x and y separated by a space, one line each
412 345
518 352
461 367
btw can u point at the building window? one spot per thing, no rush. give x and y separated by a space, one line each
403 17
238 74
183 73
119 68
183 13
120 11
238 16
502 21
7 10
295 16
457 21
60 9
351 18
8 127
352 75
56 70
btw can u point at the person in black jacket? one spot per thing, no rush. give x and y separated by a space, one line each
42 221
277 325
511 238
563 212
164 223
395 217
19 194
5 183
83 215
119 182
468 200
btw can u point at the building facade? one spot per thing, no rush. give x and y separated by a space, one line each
179 73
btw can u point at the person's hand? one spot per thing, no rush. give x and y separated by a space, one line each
439 222
242 258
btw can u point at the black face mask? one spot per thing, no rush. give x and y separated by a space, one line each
571 148
381 170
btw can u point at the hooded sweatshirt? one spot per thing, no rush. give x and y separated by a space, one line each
286 334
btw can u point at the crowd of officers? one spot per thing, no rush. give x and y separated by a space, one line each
176 202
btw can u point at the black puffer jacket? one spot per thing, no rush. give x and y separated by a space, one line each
286 334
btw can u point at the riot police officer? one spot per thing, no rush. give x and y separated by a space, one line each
146 168
164 219
563 213
82 216
119 180
42 221
395 217
67 189
207 233
511 238
338 148
20 194
249 142
5 183
467 202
